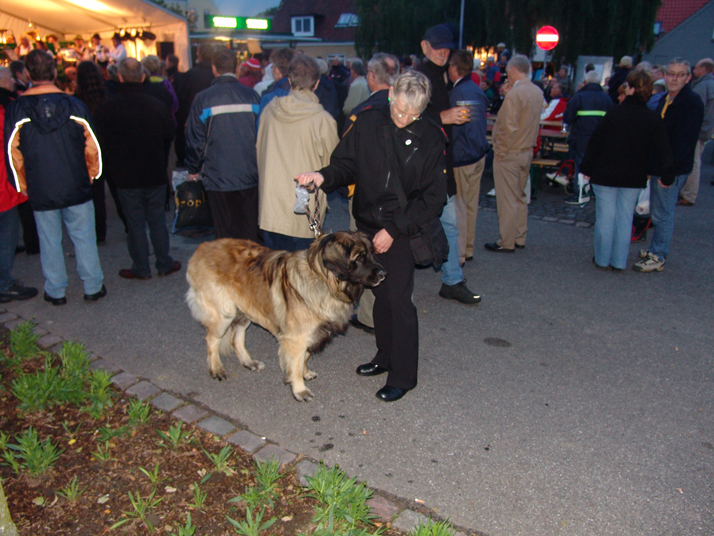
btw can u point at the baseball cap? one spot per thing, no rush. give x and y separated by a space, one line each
439 37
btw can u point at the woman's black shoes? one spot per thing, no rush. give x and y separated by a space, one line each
390 394
370 369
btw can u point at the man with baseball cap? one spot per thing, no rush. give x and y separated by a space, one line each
437 45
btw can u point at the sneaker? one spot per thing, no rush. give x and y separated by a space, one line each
643 253
560 179
651 264
460 293
17 292
575 199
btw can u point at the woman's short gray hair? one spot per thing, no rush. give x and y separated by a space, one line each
415 88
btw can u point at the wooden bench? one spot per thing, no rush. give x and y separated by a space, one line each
537 166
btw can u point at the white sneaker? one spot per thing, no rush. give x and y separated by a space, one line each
643 253
560 179
650 264
492 193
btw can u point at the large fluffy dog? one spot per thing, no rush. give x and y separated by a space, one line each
302 298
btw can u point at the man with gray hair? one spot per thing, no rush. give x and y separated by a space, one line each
683 112
702 85
515 134
382 69
359 90
584 112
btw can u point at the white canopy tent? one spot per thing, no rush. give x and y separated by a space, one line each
66 18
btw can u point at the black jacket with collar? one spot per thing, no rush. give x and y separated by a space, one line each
365 156
135 131
683 122
622 144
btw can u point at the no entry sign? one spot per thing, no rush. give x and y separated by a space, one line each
547 37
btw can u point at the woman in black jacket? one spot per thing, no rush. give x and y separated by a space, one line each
386 144
616 161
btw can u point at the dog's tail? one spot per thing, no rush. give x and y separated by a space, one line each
198 312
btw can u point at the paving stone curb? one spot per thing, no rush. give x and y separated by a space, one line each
387 511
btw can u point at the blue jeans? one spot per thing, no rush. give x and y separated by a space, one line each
142 206
9 236
79 220
277 241
662 203
451 269
614 208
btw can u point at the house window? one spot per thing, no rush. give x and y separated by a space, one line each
657 27
347 20
303 26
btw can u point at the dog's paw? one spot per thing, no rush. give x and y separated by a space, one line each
303 396
219 374
309 375
255 365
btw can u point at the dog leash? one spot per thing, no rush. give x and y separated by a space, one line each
314 218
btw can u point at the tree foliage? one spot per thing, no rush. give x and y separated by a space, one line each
591 27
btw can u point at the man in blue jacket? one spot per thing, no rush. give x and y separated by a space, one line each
683 114
220 149
54 166
584 112
470 148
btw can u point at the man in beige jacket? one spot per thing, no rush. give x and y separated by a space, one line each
514 136
295 134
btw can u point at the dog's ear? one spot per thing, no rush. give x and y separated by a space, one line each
331 255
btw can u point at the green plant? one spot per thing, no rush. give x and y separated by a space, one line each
342 501
30 454
3 440
440 528
251 527
23 342
138 411
142 507
220 460
74 361
71 491
174 437
188 530
152 475
199 497
105 433
100 394
102 455
70 433
267 474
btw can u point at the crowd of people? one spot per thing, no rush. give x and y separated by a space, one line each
406 139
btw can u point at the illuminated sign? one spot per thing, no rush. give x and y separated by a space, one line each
547 38
239 23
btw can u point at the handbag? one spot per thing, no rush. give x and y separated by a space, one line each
192 211
429 245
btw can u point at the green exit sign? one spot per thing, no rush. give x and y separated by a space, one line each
240 23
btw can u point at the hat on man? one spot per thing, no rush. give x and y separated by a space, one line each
660 82
439 37
78 36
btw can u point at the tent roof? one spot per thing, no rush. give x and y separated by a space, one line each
81 16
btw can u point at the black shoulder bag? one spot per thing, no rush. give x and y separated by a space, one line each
429 245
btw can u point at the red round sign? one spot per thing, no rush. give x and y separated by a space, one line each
547 38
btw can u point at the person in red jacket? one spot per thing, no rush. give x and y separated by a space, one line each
10 288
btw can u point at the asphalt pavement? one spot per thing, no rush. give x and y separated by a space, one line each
569 402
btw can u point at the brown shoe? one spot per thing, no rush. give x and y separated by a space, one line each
126 273
175 267
684 203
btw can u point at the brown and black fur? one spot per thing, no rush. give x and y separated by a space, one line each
302 298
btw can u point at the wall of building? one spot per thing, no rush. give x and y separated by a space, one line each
691 40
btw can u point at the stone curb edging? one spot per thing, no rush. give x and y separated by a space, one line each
385 510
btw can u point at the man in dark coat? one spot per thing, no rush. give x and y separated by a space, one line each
135 131
220 148
583 114
683 114
437 44
196 79
618 77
